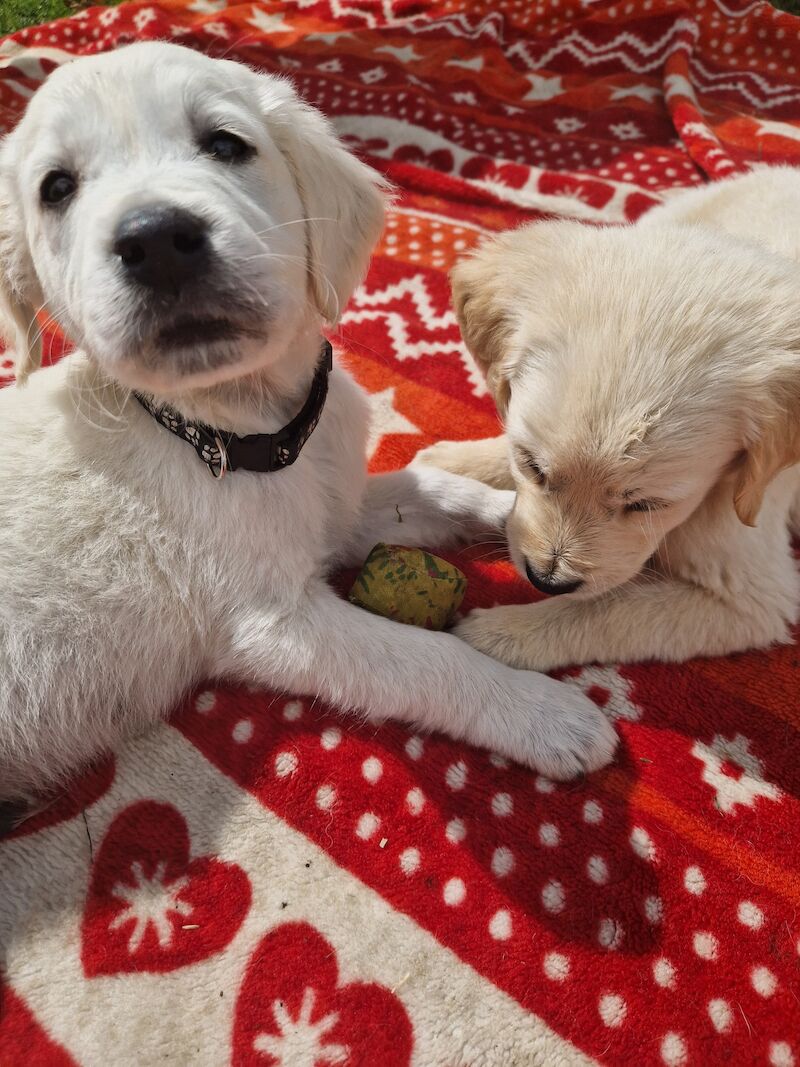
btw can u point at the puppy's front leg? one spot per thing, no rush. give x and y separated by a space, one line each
664 620
486 461
423 507
362 662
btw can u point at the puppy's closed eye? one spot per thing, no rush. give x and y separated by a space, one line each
634 506
529 465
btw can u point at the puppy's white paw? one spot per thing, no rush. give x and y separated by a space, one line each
571 736
555 728
509 634
551 727
447 455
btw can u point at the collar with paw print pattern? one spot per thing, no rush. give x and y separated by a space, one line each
222 451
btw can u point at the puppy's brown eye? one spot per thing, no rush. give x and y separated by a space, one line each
227 147
57 187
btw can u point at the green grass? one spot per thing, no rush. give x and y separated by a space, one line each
16 14
792 6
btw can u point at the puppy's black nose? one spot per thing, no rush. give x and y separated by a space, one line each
547 584
161 248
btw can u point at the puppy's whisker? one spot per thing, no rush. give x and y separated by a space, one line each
668 563
35 323
494 554
238 42
349 342
42 327
293 222
331 291
497 551
280 256
316 272
249 285
93 391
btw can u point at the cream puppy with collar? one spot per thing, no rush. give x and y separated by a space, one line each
649 381
192 224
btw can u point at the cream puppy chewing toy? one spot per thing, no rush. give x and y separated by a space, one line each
649 380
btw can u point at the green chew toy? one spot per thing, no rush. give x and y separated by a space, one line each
409 585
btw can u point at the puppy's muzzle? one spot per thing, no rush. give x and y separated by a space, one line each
546 583
162 248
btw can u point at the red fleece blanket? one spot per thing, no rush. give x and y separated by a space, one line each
263 882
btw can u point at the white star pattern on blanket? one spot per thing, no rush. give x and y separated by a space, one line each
543 88
301 1042
150 900
268 23
385 419
731 790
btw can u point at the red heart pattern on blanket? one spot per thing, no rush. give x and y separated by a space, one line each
483 168
150 907
595 194
23 1038
79 795
292 1012
439 159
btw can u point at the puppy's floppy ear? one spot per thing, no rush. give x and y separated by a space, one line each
18 327
501 285
485 321
18 289
343 199
773 442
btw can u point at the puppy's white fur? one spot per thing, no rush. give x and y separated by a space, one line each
658 366
127 573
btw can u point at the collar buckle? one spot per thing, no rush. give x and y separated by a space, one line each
220 472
